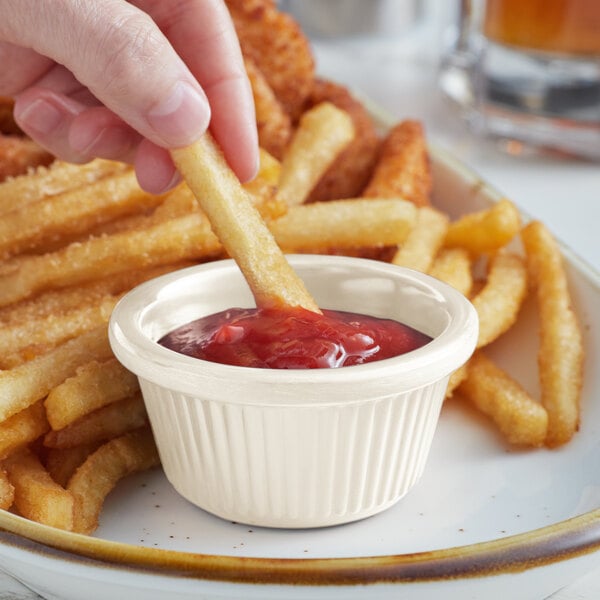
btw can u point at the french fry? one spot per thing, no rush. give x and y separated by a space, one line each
18 154
353 223
322 134
25 385
94 385
37 496
7 491
56 178
498 303
103 424
51 330
402 169
453 266
521 419
59 302
22 428
103 469
420 247
349 173
61 463
456 379
561 351
239 227
187 237
72 212
485 231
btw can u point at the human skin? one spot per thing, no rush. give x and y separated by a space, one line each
128 81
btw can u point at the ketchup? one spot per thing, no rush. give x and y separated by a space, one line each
292 338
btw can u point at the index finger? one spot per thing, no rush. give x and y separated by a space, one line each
212 53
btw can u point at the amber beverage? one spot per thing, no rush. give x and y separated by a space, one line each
556 26
528 71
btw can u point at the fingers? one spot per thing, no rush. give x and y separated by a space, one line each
214 57
119 53
154 168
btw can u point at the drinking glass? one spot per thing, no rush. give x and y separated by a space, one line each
528 70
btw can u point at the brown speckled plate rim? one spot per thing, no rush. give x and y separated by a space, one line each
562 541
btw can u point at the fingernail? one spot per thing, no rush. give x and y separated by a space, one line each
40 117
182 117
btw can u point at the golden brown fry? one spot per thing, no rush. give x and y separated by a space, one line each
402 169
22 428
487 230
24 385
103 469
353 223
7 491
101 425
187 237
55 179
519 417
263 188
18 154
94 385
73 212
423 241
37 496
456 379
453 266
61 463
351 170
59 302
53 329
323 132
499 301
561 352
240 227
273 122
275 42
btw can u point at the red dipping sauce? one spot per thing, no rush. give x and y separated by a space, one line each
292 338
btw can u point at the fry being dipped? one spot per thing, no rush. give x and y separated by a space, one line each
239 226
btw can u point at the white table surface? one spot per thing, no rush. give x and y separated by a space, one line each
400 76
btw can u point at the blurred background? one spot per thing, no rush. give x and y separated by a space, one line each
394 52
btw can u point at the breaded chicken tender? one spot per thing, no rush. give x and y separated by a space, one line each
350 172
275 42
403 168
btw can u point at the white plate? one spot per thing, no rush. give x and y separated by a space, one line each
485 521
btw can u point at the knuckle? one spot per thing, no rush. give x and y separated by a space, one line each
125 53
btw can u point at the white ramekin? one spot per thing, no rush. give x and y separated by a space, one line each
294 448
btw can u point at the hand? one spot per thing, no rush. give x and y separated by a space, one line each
128 80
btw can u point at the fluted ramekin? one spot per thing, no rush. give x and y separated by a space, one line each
294 448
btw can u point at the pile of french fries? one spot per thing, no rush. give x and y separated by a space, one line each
74 239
